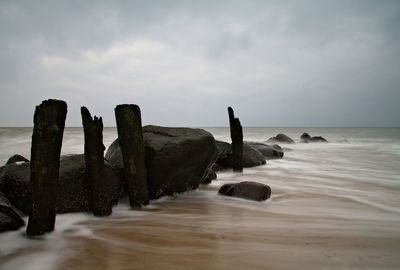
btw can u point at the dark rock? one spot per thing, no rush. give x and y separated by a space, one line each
9 217
247 190
306 138
72 188
269 151
251 156
177 159
214 167
280 138
14 183
211 175
16 158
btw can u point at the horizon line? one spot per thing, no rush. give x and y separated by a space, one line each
228 126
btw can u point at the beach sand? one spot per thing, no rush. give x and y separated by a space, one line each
222 234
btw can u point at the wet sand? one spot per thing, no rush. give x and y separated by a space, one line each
223 233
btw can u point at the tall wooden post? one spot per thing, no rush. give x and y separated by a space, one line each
48 130
94 160
129 126
237 141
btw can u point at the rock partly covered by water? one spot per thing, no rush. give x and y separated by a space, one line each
211 175
177 159
273 151
72 187
9 218
306 138
16 158
251 156
247 190
280 138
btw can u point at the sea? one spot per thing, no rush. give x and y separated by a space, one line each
334 205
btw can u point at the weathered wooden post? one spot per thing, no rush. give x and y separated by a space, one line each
237 141
48 130
94 160
129 126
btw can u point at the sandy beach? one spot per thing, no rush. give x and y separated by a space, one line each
201 231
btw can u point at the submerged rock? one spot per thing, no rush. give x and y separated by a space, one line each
280 138
251 156
247 190
177 159
16 158
211 175
72 187
9 218
306 138
268 151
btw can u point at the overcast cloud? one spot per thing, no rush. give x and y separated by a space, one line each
292 63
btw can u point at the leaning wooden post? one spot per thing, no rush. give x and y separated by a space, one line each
94 160
129 126
237 141
48 130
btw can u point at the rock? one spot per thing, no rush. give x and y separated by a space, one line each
280 138
268 151
247 190
215 167
9 217
251 156
72 187
306 138
14 183
16 158
177 159
211 175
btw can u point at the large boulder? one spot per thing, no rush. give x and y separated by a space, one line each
177 159
247 190
280 138
251 156
72 188
268 151
9 217
306 138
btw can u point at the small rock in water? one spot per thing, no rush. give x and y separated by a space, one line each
16 158
280 138
306 138
211 175
247 190
251 156
273 151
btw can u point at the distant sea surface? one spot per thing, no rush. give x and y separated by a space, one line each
334 205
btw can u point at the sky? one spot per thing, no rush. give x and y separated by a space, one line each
277 63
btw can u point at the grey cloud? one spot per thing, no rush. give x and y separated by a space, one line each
279 64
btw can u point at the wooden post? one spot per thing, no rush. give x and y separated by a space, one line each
129 126
48 130
94 160
237 141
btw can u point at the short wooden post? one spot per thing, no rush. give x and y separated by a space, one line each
48 130
237 141
129 126
94 160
